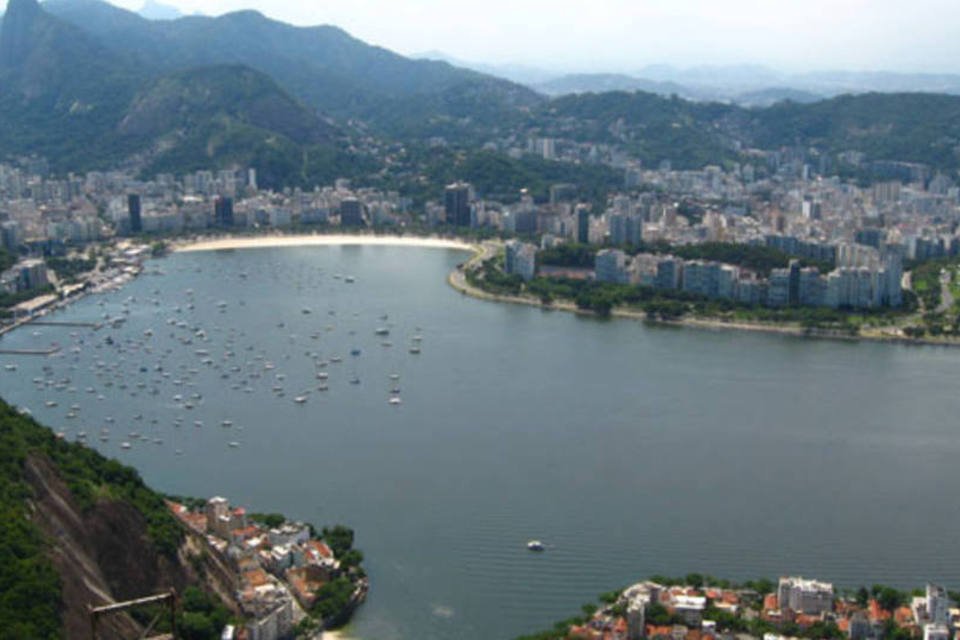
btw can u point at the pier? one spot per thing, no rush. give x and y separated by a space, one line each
38 321
29 352
54 323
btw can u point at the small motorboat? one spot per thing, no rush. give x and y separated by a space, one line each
536 545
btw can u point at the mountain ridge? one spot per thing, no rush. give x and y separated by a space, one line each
322 65
100 87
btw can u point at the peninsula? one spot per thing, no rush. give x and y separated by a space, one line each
512 272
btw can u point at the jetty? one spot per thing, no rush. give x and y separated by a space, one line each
55 323
30 352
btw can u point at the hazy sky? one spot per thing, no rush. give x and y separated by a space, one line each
621 35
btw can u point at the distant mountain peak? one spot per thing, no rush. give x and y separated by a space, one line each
15 7
15 35
246 16
153 10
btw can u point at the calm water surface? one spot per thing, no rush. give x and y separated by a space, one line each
629 450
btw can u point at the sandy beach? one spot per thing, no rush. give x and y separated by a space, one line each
318 240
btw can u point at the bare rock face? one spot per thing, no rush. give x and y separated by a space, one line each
104 555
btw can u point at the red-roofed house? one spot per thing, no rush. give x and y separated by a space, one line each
584 633
903 616
876 612
255 578
770 602
240 535
320 548
806 620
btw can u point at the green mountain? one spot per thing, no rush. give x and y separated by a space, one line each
59 90
227 115
910 127
65 96
77 529
651 127
50 64
189 99
322 65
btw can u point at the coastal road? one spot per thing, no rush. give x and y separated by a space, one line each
458 277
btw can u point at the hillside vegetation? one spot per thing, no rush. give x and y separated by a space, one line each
31 602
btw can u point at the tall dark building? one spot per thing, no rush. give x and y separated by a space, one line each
583 225
526 222
871 237
133 210
794 290
351 213
457 204
223 211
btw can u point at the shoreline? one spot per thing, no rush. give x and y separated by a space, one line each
457 280
483 250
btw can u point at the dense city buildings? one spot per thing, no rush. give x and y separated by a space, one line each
854 240
792 608
625 229
278 570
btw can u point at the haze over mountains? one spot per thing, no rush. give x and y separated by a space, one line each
89 85
752 86
748 85
153 10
